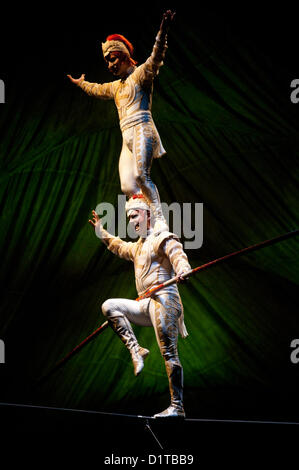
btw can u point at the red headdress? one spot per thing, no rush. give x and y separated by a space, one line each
118 43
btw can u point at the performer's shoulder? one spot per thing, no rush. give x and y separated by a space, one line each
138 71
136 68
165 234
115 83
159 238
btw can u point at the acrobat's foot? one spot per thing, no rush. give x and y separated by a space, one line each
171 412
138 359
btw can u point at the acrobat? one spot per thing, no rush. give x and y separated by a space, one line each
132 94
156 258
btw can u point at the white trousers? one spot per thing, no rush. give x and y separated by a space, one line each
160 313
140 144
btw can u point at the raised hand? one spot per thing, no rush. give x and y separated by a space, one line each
168 16
95 219
77 80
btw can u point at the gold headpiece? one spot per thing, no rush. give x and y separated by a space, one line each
114 46
136 202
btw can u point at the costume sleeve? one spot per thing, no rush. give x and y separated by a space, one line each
168 243
150 68
173 249
99 90
115 244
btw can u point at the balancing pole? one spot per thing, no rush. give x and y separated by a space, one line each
210 264
74 351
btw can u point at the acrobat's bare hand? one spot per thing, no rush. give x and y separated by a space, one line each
95 219
166 20
181 277
77 81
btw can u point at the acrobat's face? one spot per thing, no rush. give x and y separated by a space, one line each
117 63
140 221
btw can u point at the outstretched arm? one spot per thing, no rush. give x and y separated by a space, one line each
151 67
99 90
115 244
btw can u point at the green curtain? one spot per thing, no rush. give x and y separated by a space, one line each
223 110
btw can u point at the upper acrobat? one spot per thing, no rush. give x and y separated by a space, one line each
132 94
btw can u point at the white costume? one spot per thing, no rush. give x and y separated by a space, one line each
141 141
156 258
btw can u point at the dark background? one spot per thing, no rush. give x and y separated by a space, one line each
223 110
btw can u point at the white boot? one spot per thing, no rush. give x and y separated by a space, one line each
138 359
175 377
123 329
171 412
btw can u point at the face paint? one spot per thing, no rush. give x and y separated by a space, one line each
138 219
117 64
